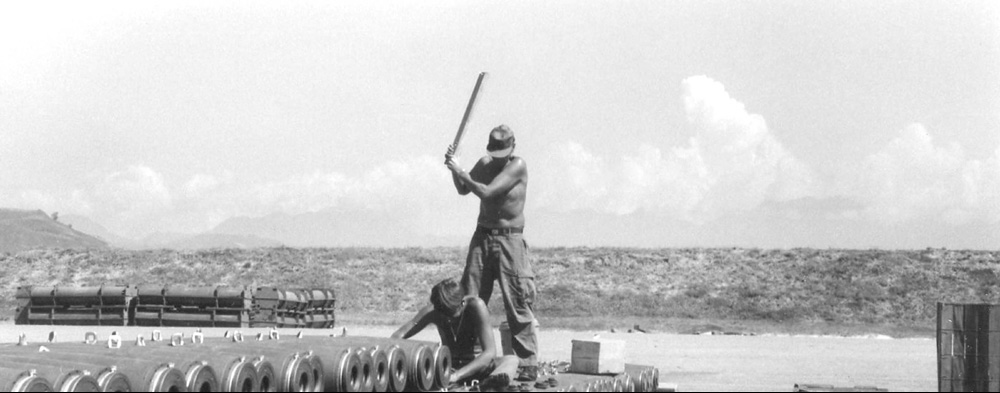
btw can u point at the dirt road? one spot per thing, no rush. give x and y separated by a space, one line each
694 363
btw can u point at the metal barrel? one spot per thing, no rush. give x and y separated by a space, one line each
143 374
78 381
74 296
109 378
190 296
201 377
248 373
232 297
23 379
294 370
420 358
254 363
219 370
380 369
341 372
629 383
79 378
396 361
380 374
345 375
442 366
330 366
420 364
265 375
389 361
42 296
367 372
199 374
641 376
319 373
415 356
349 373
74 380
150 295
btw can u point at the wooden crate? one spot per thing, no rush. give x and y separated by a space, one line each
598 357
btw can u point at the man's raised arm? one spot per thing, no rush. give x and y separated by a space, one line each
513 173
450 157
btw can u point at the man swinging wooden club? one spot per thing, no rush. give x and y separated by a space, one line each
498 251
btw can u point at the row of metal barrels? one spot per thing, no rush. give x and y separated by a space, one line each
635 379
306 364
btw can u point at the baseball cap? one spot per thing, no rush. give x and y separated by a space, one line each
501 141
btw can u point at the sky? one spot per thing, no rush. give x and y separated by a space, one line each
676 120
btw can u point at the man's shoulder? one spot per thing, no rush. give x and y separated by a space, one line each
517 164
476 304
475 301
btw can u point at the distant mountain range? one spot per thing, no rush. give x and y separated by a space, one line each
177 241
317 229
809 223
333 228
33 229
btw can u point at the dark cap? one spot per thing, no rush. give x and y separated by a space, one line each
501 141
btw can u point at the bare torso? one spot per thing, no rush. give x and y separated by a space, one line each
506 209
460 336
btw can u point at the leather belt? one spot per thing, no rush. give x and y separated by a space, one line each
499 231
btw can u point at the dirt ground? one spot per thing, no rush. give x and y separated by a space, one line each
693 363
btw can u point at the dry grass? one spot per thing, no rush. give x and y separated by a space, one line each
765 291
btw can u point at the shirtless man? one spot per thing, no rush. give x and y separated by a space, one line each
498 251
463 322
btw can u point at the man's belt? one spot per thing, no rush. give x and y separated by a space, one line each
499 231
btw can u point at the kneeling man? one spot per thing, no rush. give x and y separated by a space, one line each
463 322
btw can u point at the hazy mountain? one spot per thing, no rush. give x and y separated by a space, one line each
340 228
88 226
22 230
170 240
214 240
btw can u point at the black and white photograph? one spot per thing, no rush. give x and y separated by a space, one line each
332 196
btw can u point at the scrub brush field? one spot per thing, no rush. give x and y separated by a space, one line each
793 291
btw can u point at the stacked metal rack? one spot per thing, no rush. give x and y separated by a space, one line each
198 306
293 308
145 305
98 306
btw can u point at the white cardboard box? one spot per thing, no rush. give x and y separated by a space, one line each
598 357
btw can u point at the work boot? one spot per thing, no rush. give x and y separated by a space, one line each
527 374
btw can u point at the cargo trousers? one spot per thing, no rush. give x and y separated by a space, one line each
504 258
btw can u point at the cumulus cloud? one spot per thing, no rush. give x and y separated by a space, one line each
415 184
139 200
732 163
200 184
134 190
914 178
